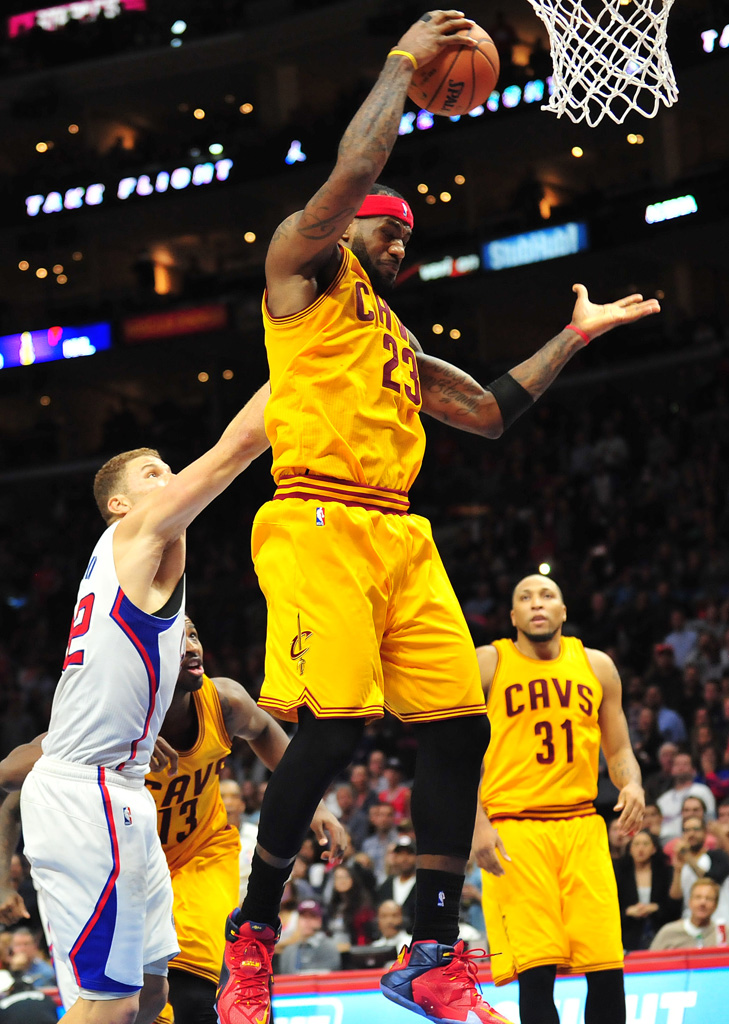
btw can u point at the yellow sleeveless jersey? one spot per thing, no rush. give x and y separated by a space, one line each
345 393
190 811
542 761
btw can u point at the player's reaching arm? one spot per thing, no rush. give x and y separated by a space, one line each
12 906
305 244
243 718
453 397
17 764
487 842
621 761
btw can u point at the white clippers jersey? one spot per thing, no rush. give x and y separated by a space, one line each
119 673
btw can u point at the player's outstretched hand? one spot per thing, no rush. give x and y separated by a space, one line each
433 32
164 755
329 831
631 805
596 319
12 907
487 846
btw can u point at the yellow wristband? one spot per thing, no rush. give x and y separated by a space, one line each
404 53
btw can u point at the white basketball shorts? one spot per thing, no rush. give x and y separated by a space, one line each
91 839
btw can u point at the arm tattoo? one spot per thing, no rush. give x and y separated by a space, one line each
624 769
453 395
537 373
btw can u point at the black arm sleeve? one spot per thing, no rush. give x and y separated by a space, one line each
511 398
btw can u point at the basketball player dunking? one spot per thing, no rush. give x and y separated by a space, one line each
553 903
88 822
361 615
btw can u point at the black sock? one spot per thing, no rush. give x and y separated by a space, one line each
265 889
437 906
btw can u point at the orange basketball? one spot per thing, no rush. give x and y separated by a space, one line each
459 78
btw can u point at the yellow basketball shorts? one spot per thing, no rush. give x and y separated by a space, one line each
557 902
205 890
361 615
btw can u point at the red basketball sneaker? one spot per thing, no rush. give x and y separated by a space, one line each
244 990
439 982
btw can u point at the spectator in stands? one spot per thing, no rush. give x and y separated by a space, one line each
314 952
289 915
670 724
396 793
657 783
400 886
691 693
696 930
692 807
682 638
385 834
617 841
27 962
23 1004
664 673
644 881
376 767
646 740
390 926
300 875
671 802
719 829
230 793
364 797
692 860
355 820
350 914
652 821
712 774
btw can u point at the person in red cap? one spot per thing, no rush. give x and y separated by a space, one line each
361 614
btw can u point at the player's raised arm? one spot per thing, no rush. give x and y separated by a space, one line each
164 513
621 761
306 241
453 397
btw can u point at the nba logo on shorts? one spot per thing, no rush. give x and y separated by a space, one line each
127 815
320 517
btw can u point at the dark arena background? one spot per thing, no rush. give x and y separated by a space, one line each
149 150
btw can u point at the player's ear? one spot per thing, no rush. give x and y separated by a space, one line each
564 613
513 620
348 232
118 504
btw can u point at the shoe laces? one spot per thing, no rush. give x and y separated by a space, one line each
461 966
251 980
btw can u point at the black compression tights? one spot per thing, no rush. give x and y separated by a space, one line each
320 750
605 997
192 998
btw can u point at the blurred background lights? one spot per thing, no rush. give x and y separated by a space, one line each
178 27
422 189
577 151
545 568
23 265
445 197
176 42
45 400
455 334
41 147
57 268
249 236
437 328
245 108
227 374
77 256
215 148
73 129
203 377
459 179
41 272
430 200
61 279
198 113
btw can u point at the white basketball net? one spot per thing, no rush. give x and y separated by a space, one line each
609 62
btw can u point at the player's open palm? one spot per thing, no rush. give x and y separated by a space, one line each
595 319
12 906
434 31
488 848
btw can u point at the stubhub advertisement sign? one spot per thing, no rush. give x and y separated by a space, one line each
663 997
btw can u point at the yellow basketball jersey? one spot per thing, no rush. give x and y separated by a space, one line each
345 393
542 761
190 811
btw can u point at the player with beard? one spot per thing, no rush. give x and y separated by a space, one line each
551 902
361 615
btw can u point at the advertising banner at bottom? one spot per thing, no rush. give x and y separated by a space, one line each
659 997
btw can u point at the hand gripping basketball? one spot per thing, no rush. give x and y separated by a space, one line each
433 32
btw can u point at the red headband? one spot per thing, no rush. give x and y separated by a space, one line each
386 206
